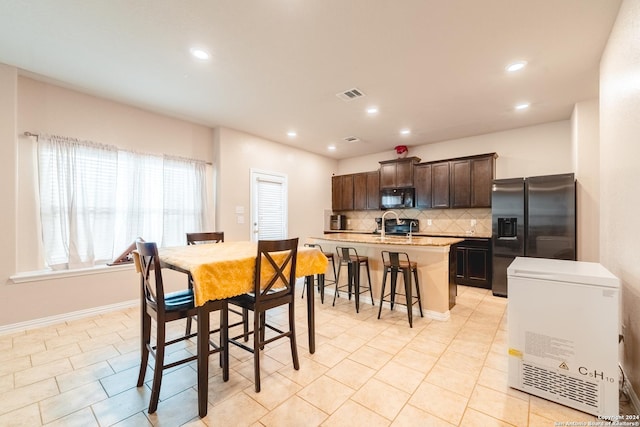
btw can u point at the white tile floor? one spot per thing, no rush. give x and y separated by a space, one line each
365 371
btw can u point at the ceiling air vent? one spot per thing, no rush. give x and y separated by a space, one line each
350 94
351 139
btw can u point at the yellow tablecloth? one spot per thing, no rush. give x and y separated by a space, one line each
222 270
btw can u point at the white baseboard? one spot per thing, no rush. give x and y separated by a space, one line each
65 317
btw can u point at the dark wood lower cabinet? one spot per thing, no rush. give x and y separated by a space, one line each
473 263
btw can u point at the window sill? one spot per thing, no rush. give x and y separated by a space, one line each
41 275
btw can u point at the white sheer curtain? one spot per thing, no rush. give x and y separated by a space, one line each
77 189
184 211
96 200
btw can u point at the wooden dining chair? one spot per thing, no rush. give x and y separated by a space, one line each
165 308
205 237
197 239
276 265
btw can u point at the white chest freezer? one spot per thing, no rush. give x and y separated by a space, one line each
563 331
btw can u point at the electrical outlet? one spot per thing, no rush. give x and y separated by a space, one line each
429 222
473 222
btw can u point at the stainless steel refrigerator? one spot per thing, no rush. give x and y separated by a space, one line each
532 217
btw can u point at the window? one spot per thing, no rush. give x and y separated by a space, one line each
95 200
269 205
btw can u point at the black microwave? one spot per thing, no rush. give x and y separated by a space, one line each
397 198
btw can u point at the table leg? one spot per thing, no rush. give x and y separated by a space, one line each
203 360
311 318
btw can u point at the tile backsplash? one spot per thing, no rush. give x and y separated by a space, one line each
443 221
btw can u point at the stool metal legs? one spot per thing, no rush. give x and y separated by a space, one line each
395 266
353 263
321 277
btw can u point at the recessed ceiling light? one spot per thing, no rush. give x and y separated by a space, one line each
516 66
199 53
372 110
522 106
331 148
405 132
291 134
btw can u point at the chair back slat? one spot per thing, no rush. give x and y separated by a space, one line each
314 245
346 254
395 259
205 237
275 271
151 274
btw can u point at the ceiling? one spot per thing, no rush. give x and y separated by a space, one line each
435 67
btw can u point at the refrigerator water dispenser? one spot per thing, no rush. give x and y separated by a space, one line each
507 227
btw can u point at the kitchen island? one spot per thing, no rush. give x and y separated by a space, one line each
436 265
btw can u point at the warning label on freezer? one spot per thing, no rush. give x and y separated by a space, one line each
515 353
549 347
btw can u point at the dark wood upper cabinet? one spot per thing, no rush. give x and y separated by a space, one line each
347 192
373 190
397 173
482 176
460 183
422 182
471 181
454 183
342 192
360 191
336 192
440 185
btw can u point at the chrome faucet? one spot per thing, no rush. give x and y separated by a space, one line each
410 225
383 223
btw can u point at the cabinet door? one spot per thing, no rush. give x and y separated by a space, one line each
388 175
360 191
336 193
461 264
422 181
440 185
404 174
460 184
482 174
347 192
473 263
373 190
478 265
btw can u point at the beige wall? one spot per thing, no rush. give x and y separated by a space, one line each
620 174
29 105
309 179
586 159
534 150
8 176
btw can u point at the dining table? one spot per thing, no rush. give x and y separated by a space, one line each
224 270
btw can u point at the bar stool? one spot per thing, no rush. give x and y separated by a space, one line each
394 262
349 256
321 277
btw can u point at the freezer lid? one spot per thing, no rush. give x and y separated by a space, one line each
591 273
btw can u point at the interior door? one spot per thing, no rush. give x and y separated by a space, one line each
268 206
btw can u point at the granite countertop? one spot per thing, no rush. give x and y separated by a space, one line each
476 235
391 240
